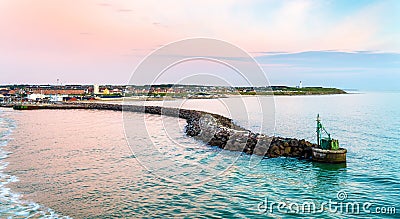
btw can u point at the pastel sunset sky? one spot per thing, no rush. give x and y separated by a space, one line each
338 43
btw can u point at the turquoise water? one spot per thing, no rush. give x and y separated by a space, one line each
78 164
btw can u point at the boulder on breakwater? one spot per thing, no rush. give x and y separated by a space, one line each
212 129
227 135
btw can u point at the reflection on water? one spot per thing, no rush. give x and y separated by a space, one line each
78 163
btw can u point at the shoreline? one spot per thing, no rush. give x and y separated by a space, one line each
210 128
168 98
86 98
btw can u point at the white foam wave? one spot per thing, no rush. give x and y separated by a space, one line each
11 203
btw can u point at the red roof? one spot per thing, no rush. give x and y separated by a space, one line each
54 92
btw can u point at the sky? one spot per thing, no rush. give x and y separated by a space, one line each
337 43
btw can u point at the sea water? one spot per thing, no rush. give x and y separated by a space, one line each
77 163
12 205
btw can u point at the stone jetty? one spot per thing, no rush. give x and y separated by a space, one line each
210 128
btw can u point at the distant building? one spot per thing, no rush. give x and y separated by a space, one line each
4 91
106 91
53 94
36 96
61 92
96 89
115 91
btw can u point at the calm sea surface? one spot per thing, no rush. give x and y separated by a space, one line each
78 164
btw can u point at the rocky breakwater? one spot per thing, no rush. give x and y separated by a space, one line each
226 135
213 129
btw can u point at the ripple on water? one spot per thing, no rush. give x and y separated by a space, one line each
11 204
99 178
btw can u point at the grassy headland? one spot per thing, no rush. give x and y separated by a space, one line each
284 90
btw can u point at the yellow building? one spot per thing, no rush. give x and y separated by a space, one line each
106 91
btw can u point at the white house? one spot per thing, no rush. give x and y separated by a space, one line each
36 96
57 97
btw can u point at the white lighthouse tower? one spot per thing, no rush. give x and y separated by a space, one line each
301 84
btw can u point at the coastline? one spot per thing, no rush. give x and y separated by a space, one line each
227 95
